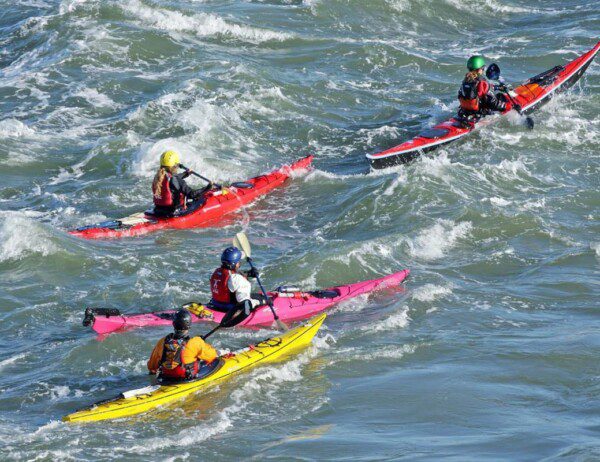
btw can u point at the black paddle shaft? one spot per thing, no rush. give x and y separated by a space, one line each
264 292
199 176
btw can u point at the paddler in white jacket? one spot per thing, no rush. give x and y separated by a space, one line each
230 287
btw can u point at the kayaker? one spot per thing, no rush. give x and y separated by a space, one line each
177 357
169 188
230 287
476 95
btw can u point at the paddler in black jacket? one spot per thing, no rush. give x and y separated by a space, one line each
169 189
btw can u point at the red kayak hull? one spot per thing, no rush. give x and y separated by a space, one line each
216 206
531 95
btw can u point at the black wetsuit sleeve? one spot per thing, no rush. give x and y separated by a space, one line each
179 186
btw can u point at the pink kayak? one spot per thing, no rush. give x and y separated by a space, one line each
290 304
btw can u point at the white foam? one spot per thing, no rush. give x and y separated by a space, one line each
201 24
434 241
595 246
499 201
68 6
13 128
430 292
20 236
11 360
390 352
395 321
95 98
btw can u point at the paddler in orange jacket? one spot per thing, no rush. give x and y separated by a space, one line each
177 357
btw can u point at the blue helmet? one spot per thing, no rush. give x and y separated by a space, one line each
231 256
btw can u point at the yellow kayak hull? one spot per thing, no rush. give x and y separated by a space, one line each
267 351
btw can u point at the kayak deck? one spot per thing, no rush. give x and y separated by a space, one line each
267 351
531 95
298 306
202 213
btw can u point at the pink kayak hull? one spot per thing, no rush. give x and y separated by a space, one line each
289 309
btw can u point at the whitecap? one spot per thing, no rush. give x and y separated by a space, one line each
430 292
434 241
14 128
20 236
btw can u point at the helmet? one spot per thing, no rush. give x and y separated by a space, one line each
182 320
475 62
169 159
231 257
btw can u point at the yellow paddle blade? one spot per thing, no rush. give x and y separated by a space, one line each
241 242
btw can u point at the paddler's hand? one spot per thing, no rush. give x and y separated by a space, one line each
253 273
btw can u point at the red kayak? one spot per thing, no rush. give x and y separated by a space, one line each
531 95
204 212
291 304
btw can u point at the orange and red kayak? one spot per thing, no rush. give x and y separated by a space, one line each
530 95
203 213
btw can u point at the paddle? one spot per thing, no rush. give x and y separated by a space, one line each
241 242
493 73
238 184
232 318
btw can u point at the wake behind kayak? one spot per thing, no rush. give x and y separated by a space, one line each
531 95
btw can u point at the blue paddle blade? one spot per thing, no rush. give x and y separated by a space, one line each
493 72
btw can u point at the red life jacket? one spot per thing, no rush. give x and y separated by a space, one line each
166 196
468 95
218 287
171 364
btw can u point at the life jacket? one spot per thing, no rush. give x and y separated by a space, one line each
468 95
166 196
218 287
171 363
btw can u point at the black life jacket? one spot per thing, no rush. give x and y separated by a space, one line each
171 363
468 95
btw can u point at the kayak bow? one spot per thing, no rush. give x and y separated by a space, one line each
142 400
205 212
530 96
292 305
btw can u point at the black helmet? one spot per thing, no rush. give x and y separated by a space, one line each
182 320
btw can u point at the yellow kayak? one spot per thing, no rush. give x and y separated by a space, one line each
137 401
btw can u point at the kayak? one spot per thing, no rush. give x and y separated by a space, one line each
201 213
142 400
531 95
291 304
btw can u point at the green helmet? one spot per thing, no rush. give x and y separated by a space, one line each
475 62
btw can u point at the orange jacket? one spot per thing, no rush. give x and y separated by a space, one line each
196 349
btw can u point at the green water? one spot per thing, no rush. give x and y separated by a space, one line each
490 352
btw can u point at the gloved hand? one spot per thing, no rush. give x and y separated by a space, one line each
253 273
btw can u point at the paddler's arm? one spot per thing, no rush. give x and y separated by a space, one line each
200 350
156 356
242 289
179 185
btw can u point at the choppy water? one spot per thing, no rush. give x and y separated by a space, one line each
492 351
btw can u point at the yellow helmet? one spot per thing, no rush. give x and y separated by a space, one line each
169 159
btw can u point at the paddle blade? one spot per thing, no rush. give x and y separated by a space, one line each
241 242
493 71
530 123
281 325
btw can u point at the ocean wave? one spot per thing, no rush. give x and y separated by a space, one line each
201 24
